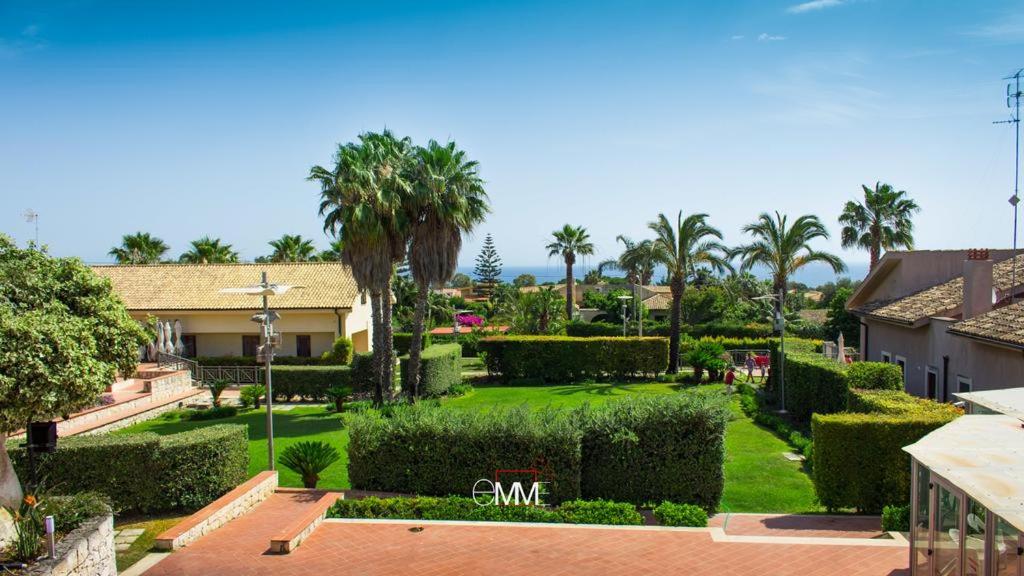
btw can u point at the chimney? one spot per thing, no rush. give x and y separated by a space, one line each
977 283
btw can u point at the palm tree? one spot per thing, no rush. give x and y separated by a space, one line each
139 248
570 241
361 199
333 251
448 200
292 248
638 259
683 247
784 249
208 250
881 221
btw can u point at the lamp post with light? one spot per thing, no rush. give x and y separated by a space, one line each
780 324
624 299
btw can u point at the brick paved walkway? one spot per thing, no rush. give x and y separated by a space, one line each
810 526
372 548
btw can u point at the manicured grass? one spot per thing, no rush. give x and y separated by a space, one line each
473 364
153 527
567 396
290 426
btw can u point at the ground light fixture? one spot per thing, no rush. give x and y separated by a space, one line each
780 325
625 298
271 341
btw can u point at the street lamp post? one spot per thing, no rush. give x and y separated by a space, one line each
780 322
624 299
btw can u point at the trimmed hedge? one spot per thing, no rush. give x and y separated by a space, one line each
874 376
469 340
651 449
146 472
814 385
440 369
712 330
278 361
671 514
462 508
565 359
897 403
403 341
362 372
427 450
634 450
309 382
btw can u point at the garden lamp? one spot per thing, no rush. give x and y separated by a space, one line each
624 299
780 324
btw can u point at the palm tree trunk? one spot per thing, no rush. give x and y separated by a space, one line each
388 374
570 290
378 348
875 253
677 313
413 378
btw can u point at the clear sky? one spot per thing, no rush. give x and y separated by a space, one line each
189 118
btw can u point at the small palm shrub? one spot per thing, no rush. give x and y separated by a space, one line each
250 396
672 514
338 394
705 354
216 388
308 459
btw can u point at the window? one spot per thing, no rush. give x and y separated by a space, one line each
302 346
963 384
902 363
188 342
886 357
932 382
249 344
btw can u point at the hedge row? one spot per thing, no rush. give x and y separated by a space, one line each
817 385
716 329
251 361
403 341
440 369
635 450
309 382
566 359
146 472
462 508
897 403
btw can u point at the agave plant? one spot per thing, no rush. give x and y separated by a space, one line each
308 459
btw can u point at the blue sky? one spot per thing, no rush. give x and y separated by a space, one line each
190 118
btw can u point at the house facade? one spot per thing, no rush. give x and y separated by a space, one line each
952 320
324 304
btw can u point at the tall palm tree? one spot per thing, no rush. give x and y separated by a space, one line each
139 248
783 249
361 199
447 201
208 250
292 248
638 259
683 247
881 222
333 251
570 241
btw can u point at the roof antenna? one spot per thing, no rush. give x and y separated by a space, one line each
1013 95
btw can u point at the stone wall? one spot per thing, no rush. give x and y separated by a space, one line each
86 551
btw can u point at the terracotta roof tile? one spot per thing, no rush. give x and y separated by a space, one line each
1004 324
196 286
659 302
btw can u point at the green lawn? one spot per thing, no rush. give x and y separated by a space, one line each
757 477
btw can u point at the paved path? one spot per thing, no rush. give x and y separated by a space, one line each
805 526
372 548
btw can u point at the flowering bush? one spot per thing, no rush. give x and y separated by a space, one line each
469 320
28 529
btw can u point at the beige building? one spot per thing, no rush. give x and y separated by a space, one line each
945 317
327 305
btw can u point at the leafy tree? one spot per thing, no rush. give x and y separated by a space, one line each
569 242
362 200
460 280
608 303
839 320
536 312
448 200
208 250
883 221
64 336
333 252
638 259
828 290
524 280
488 263
683 247
784 249
292 248
139 248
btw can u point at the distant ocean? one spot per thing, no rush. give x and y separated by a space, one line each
811 275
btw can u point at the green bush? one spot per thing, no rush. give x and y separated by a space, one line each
649 449
71 510
671 514
403 342
897 403
582 329
462 508
565 359
147 472
427 450
469 340
705 355
340 352
697 331
896 518
308 459
874 376
814 385
309 382
250 395
440 369
859 460
214 413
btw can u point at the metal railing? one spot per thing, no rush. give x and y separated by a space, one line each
175 362
203 374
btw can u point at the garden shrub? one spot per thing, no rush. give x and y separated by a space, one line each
362 372
599 512
650 449
874 376
582 329
672 514
427 450
214 413
146 472
250 395
440 369
814 385
705 355
71 510
340 352
462 508
896 518
469 340
403 341
309 382
897 403
566 359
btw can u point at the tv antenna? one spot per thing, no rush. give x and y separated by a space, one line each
1013 95
32 217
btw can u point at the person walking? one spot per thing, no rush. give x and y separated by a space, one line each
750 367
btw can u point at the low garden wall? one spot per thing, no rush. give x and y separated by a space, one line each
86 551
561 359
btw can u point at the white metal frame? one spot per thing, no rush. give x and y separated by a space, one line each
886 357
961 380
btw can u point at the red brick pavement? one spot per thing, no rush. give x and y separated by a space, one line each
368 548
806 526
